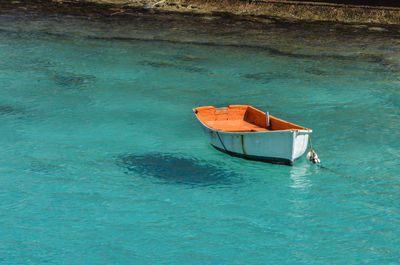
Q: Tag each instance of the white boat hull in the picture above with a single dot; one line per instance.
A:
(282, 147)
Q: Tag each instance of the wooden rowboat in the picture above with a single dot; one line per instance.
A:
(246, 132)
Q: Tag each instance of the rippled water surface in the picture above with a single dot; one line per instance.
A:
(103, 162)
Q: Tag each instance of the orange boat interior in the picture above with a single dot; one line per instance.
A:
(241, 118)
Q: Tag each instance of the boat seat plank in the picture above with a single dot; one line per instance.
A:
(235, 126)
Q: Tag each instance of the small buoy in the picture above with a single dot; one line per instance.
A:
(313, 157)
(308, 156)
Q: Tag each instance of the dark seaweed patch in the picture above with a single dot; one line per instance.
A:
(156, 64)
(187, 58)
(19, 64)
(72, 80)
(186, 68)
(20, 33)
(266, 77)
(8, 110)
(5, 109)
(315, 71)
(268, 49)
(39, 62)
(44, 167)
(173, 168)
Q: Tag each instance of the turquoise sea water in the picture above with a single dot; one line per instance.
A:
(102, 160)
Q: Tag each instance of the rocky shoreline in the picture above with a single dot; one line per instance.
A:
(262, 10)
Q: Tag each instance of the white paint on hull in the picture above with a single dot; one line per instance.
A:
(286, 144)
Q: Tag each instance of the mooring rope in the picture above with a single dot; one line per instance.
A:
(312, 155)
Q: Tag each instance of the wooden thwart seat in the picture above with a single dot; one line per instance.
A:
(235, 126)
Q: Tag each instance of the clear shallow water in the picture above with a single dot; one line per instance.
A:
(102, 160)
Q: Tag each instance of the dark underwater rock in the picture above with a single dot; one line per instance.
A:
(9, 110)
(174, 168)
(72, 80)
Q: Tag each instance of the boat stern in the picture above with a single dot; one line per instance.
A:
(300, 143)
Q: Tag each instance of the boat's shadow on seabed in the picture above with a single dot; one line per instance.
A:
(177, 169)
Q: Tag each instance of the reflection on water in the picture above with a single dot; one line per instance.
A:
(173, 168)
(300, 204)
(298, 175)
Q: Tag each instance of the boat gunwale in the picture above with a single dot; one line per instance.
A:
(235, 133)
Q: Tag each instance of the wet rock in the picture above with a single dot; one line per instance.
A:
(360, 26)
(208, 18)
(378, 29)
